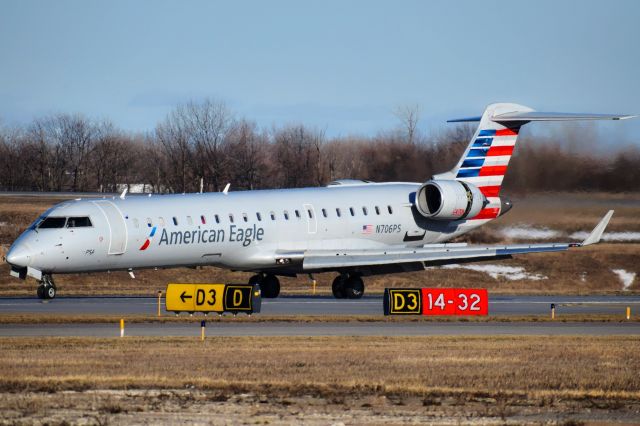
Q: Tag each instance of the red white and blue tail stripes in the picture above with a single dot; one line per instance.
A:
(485, 164)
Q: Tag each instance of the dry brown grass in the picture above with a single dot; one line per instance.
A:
(539, 367)
(583, 271)
(320, 380)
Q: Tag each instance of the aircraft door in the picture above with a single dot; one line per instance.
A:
(312, 220)
(117, 226)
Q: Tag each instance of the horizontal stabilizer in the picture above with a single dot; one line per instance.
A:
(465, 120)
(555, 116)
(597, 232)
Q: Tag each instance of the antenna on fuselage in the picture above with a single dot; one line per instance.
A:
(225, 191)
(124, 193)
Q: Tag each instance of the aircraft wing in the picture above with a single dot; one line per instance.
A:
(435, 254)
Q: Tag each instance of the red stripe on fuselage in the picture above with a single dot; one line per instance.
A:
(493, 171)
(145, 245)
(506, 132)
(488, 213)
(490, 191)
(499, 150)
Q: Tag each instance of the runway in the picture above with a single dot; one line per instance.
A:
(322, 305)
(276, 328)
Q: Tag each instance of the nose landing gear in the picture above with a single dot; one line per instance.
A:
(46, 288)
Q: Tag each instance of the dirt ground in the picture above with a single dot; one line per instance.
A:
(321, 380)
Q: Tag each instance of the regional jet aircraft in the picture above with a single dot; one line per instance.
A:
(352, 227)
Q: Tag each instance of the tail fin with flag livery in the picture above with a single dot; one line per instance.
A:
(485, 161)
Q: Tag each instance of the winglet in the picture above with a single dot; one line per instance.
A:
(597, 232)
(225, 191)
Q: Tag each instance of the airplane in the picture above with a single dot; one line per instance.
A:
(355, 228)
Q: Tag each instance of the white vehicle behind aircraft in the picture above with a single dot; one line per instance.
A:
(352, 227)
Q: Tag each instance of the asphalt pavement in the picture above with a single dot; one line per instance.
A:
(322, 305)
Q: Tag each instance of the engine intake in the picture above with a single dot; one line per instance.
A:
(449, 200)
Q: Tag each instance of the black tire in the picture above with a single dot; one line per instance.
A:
(270, 287)
(40, 292)
(50, 292)
(256, 279)
(338, 287)
(354, 287)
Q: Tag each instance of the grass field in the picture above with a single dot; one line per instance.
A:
(488, 380)
(584, 271)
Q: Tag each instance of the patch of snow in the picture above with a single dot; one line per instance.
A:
(528, 232)
(625, 277)
(609, 236)
(513, 273)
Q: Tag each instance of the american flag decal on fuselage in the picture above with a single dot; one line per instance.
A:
(485, 165)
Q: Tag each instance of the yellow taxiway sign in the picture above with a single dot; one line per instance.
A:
(212, 298)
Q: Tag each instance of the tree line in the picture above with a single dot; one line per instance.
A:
(204, 145)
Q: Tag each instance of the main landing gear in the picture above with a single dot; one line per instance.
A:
(46, 288)
(269, 285)
(348, 287)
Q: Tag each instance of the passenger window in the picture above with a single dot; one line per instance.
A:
(259, 216)
(136, 222)
(377, 210)
(286, 215)
(353, 213)
(364, 211)
(273, 215)
(231, 217)
(390, 209)
(324, 212)
(175, 221)
(203, 219)
(310, 213)
(217, 218)
(189, 221)
(338, 213)
(161, 221)
(53, 222)
(245, 217)
(298, 214)
(78, 222)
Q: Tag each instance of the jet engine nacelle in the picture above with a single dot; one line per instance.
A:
(449, 200)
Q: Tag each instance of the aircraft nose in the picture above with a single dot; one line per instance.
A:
(19, 255)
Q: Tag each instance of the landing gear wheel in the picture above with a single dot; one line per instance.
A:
(46, 288)
(270, 287)
(256, 279)
(50, 292)
(353, 287)
(338, 287)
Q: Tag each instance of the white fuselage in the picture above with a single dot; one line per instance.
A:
(244, 230)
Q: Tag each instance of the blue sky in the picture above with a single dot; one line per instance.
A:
(342, 66)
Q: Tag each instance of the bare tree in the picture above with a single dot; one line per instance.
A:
(409, 115)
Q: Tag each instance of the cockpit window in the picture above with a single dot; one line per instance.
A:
(52, 222)
(78, 222)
